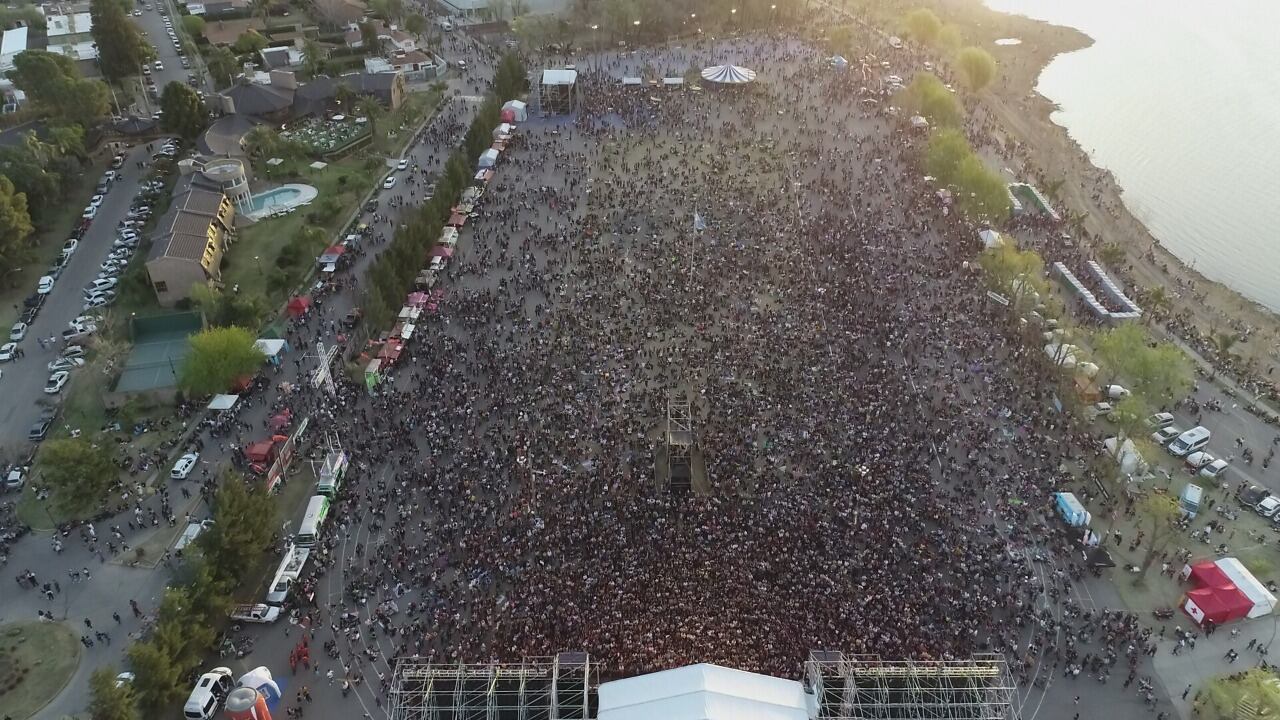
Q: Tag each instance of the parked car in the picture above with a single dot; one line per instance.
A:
(69, 247)
(40, 430)
(259, 613)
(1197, 460)
(17, 332)
(1214, 469)
(403, 164)
(1165, 435)
(1268, 506)
(208, 694)
(389, 182)
(73, 351)
(89, 213)
(101, 285)
(182, 469)
(15, 478)
(8, 351)
(1160, 420)
(57, 381)
(44, 285)
(65, 363)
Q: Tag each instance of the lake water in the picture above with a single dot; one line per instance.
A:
(1181, 102)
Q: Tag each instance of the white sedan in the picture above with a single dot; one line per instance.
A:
(182, 469)
(65, 363)
(8, 351)
(57, 381)
(45, 285)
(389, 183)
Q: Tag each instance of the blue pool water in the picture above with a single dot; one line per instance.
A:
(280, 196)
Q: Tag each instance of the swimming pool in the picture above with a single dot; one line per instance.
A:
(285, 197)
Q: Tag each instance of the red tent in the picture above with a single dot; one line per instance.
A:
(282, 420)
(298, 306)
(457, 220)
(416, 299)
(1207, 574)
(508, 115)
(1219, 604)
(441, 251)
(262, 451)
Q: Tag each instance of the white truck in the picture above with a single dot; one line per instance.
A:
(255, 613)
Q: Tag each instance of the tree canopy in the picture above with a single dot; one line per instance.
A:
(194, 25)
(121, 48)
(250, 41)
(107, 701)
(1157, 372)
(980, 194)
(244, 519)
(15, 223)
(184, 114)
(53, 84)
(977, 67)
(177, 644)
(922, 25)
(222, 66)
(79, 471)
(1012, 271)
(219, 356)
(928, 96)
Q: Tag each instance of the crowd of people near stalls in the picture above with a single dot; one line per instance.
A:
(878, 446)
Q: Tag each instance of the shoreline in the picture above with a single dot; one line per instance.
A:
(1019, 114)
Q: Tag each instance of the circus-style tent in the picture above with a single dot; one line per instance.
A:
(728, 75)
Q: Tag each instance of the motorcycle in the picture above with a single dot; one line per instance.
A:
(1163, 613)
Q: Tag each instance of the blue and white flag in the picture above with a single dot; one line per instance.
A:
(698, 223)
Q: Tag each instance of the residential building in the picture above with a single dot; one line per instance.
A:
(13, 42)
(189, 240)
(415, 65)
(69, 29)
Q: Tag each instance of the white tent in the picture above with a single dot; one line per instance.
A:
(990, 239)
(702, 692)
(270, 347)
(631, 81)
(223, 402)
(918, 122)
(489, 158)
(502, 131)
(1263, 601)
(518, 108)
(1130, 460)
(672, 81)
(728, 75)
(559, 77)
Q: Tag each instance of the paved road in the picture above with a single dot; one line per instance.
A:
(24, 379)
(152, 22)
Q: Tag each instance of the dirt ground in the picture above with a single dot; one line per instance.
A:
(1023, 116)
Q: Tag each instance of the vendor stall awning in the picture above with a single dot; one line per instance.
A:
(270, 347)
(223, 402)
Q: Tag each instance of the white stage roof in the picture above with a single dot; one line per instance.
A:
(223, 402)
(702, 692)
(728, 74)
(559, 77)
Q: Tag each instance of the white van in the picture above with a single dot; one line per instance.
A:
(1190, 499)
(207, 696)
(1193, 440)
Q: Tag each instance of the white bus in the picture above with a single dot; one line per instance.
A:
(312, 521)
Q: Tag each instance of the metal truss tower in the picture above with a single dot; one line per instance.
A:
(543, 688)
(864, 687)
(680, 441)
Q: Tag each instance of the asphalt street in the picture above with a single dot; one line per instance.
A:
(152, 22)
(24, 379)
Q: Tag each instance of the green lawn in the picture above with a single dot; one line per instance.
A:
(393, 130)
(36, 661)
(251, 262)
(48, 239)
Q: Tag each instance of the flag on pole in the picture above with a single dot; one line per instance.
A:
(698, 223)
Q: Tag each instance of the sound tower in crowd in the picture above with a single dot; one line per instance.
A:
(560, 687)
(680, 441)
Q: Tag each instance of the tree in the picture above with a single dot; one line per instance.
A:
(250, 41)
(194, 25)
(948, 148)
(1157, 302)
(15, 223)
(977, 67)
(163, 662)
(981, 194)
(369, 38)
(53, 84)
(950, 38)
(109, 701)
(121, 49)
(1111, 255)
(928, 96)
(922, 25)
(222, 65)
(262, 10)
(1223, 342)
(244, 520)
(219, 356)
(1162, 513)
(1017, 273)
(313, 57)
(370, 108)
(79, 471)
(1157, 372)
(414, 24)
(67, 140)
(840, 40)
(184, 114)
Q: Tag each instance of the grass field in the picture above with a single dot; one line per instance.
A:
(36, 661)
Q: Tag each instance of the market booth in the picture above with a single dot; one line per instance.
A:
(1225, 590)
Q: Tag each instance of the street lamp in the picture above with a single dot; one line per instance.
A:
(258, 260)
(595, 43)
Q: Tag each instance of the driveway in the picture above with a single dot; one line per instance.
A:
(24, 379)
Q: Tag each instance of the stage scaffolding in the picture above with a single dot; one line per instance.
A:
(540, 688)
(865, 687)
(680, 442)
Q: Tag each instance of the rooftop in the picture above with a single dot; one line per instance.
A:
(59, 25)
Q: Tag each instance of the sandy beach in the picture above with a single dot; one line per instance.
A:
(1044, 152)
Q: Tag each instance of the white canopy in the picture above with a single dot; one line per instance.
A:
(519, 109)
(632, 81)
(1129, 459)
(990, 238)
(728, 75)
(1263, 601)
(559, 77)
(270, 347)
(671, 81)
(702, 692)
(488, 158)
(223, 402)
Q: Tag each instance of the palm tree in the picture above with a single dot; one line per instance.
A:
(313, 56)
(1111, 255)
(261, 9)
(1157, 301)
(1223, 342)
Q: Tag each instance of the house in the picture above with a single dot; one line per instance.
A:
(214, 8)
(387, 88)
(415, 65)
(13, 42)
(343, 13)
(69, 29)
(188, 242)
(392, 37)
(226, 32)
(281, 98)
(280, 58)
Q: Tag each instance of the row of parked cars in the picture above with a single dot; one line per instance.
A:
(1190, 445)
